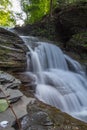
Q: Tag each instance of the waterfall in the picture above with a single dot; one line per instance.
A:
(74, 65)
(61, 80)
(51, 56)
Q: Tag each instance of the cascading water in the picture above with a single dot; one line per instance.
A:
(59, 84)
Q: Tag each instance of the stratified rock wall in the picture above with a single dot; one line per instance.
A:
(12, 51)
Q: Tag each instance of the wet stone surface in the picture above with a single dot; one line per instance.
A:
(33, 114)
(44, 117)
(9, 85)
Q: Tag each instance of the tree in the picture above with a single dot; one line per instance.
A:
(6, 16)
(36, 9)
(51, 4)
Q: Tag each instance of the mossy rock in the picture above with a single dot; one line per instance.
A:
(12, 51)
(55, 119)
(78, 43)
(72, 19)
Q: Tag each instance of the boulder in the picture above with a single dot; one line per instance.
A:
(27, 79)
(8, 81)
(29, 83)
(44, 117)
(12, 51)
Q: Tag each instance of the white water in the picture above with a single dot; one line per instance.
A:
(50, 56)
(57, 85)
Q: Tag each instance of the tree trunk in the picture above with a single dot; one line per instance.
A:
(51, 4)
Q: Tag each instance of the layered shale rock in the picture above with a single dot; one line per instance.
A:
(12, 51)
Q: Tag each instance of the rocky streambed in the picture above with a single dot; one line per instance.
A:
(32, 113)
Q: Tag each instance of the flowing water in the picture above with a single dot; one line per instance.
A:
(61, 81)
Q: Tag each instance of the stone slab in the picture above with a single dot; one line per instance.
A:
(19, 108)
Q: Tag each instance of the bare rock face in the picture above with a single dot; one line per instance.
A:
(12, 51)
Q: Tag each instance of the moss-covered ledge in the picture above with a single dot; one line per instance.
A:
(46, 117)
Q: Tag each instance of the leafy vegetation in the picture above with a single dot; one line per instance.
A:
(81, 38)
(3, 105)
(35, 10)
(6, 16)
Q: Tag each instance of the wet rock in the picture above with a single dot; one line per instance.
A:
(41, 118)
(2, 96)
(27, 78)
(28, 83)
(12, 51)
(7, 116)
(20, 110)
(20, 106)
(24, 121)
(41, 113)
(14, 95)
(9, 81)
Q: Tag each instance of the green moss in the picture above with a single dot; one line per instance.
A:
(60, 120)
(81, 39)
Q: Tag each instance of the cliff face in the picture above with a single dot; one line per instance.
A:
(12, 51)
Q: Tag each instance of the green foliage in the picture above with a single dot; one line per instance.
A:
(81, 38)
(6, 16)
(4, 3)
(3, 105)
(36, 9)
